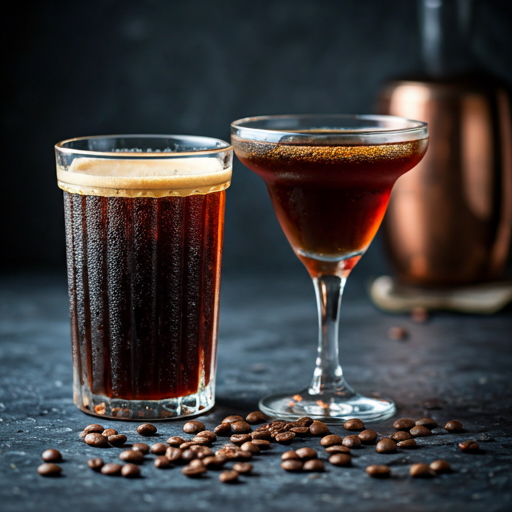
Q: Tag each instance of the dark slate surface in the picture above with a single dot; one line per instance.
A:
(267, 341)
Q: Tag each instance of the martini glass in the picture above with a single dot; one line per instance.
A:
(329, 178)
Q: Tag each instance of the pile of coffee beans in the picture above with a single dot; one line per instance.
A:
(248, 437)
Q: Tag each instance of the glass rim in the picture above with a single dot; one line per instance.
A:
(221, 147)
(412, 128)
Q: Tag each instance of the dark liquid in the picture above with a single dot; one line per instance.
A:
(143, 278)
(330, 200)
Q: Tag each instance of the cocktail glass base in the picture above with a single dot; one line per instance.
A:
(327, 407)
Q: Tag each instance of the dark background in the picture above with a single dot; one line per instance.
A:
(93, 67)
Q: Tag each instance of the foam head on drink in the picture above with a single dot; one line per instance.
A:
(144, 241)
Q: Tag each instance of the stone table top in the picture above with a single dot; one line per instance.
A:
(450, 367)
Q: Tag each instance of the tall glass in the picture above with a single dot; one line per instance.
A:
(329, 178)
(144, 226)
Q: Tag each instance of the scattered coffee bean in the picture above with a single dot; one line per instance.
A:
(401, 435)
(340, 459)
(419, 314)
(130, 471)
(224, 429)
(95, 464)
(378, 471)
(95, 439)
(141, 447)
(232, 418)
(256, 417)
(407, 443)
(186, 445)
(262, 444)
(367, 436)
(201, 440)
(162, 462)
(290, 455)
(404, 424)
(51, 455)
(110, 432)
(250, 446)
(318, 428)
(454, 426)
(214, 461)
(305, 421)
(338, 448)
(306, 453)
(49, 469)
(240, 438)
(117, 439)
(397, 333)
(243, 467)
(146, 429)
(313, 465)
(188, 455)
(111, 469)
(173, 453)
(196, 463)
(353, 424)
(159, 448)
(93, 428)
(135, 456)
(228, 477)
(440, 466)
(351, 441)
(240, 427)
(211, 436)
(193, 427)
(386, 445)
(194, 471)
(331, 440)
(420, 431)
(175, 441)
(469, 446)
(292, 465)
(421, 470)
(284, 437)
(427, 422)
(262, 434)
(300, 431)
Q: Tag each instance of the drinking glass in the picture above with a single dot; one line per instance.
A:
(329, 178)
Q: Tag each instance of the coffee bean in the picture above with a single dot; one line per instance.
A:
(278, 424)
(404, 424)
(401, 435)
(240, 438)
(305, 421)
(201, 440)
(292, 465)
(469, 446)
(240, 427)
(95, 464)
(51, 455)
(353, 424)
(93, 428)
(306, 453)
(256, 417)
(419, 314)
(95, 439)
(397, 333)
(262, 434)
(194, 471)
(130, 471)
(313, 465)
(407, 443)
(203, 451)
(427, 422)
(340, 459)
(175, 441)
(351, 441)
(193, 427)
(117, 439)
(111, 469)
(290, 455)
(224, 429)
(300, 431)
(162, 462)
(243, 455)
(454, 426)
(186, 445)
(262, 444)
(318, 428)
(173, 453)
(188, 455)
(367, 436)
(284, 437)
(440, 466)
(146, 429)
(159, 448)
(228, 477)
(49, 469)
(195, 463)
(331, 440)
(110, 432)
(420, 431)
(135, 456)
(214, 461)
(386, 445)
(421, 470)
(337, 449)
(141, 447)
(211, 436)
(232, 419)
(378, 471)
(243, 467)
(251, 447)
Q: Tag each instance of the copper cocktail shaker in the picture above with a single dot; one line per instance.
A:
(449, 221)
